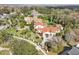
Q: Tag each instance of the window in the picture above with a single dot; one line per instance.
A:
(50, 34)
(46, 35)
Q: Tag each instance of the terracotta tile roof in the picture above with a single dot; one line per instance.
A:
(39, 19)
(39, 23)
(54, 29)
(46, 29)
(49, 29)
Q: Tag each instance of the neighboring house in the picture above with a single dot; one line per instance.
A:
(74, 51)
(71, 51)
(35, 14)
(2, 27)
(38, 25)
(35, 18)
(28, 19)
(3, 16)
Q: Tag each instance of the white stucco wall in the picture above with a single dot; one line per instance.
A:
(48, 38)
(38, 26)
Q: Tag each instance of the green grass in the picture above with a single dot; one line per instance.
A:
(11, 31)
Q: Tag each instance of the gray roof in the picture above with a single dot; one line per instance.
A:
(74, 51)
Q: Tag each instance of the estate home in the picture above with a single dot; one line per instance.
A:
(49, 32)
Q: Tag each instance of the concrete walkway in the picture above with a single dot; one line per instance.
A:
(1, 49)
(34, 44)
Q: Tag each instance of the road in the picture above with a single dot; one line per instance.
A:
(34, 44)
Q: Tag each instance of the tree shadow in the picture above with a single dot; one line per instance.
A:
(65, 51)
